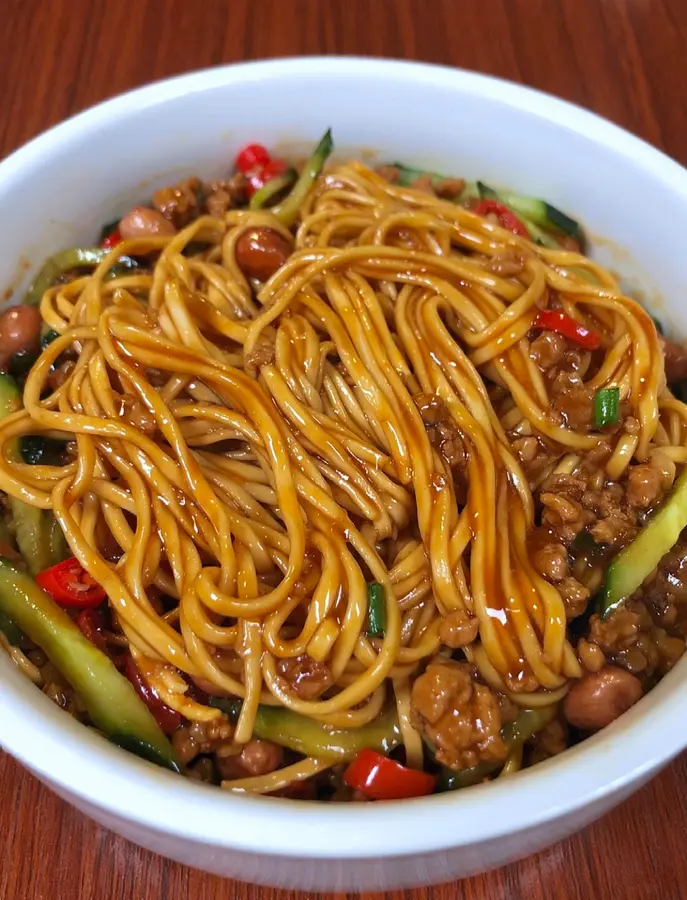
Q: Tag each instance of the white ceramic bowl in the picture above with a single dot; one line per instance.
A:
(60, 188)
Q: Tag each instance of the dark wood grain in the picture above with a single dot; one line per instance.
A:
(626, 59)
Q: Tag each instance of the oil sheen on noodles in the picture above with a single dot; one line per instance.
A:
(313, 385)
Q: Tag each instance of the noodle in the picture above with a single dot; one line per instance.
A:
(265, 496)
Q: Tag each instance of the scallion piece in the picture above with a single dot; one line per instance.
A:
(607, 407)
(376, 610)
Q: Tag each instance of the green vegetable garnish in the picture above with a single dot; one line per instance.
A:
(607, 407)
(287, 211)
(376, 610)
(272, 189)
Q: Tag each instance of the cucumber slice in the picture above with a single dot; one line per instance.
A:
(112, 704)
(633, 564)
(32, 526)
(287, 211)
(542, 213)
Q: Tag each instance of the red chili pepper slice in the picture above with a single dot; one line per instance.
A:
(69, 584)
(560, 322)
(113, 238)
(92, 625)
(507, 218)
(167, 718)
(381, 778)
(252, 156)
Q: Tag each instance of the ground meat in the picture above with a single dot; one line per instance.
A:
(221, 196)
(306, 677)
(630, 639)
(256, 758)
(180, 203)
(615, 530)
(138, 415)
(432, 408)
(459, 716)
(590, 655)
(571, 486)
(644, 485)
(618, 632)
(675, 357)
(548, 349)
(458, 629)
(575, 596)
(527, 448)
(563, 514)
(569, 506)
(263, 354)
(551, 561)
(190, 741)
(573, 402)
(446, 438)
(616, 522)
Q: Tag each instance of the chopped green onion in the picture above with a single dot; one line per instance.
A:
(607, 407)
(376, 611)
(272, 189)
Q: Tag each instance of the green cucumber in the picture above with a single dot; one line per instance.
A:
(287, 211)
(311, 738)
(272, 189)
(32, 534)
(542, 213)
(638, 560)
(112, 704)
(10, 396)
(537, 215)
(32, 526)
(58, 264)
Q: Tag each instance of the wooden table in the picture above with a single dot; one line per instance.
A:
(626, 59)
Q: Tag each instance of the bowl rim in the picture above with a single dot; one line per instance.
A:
(80, 762)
